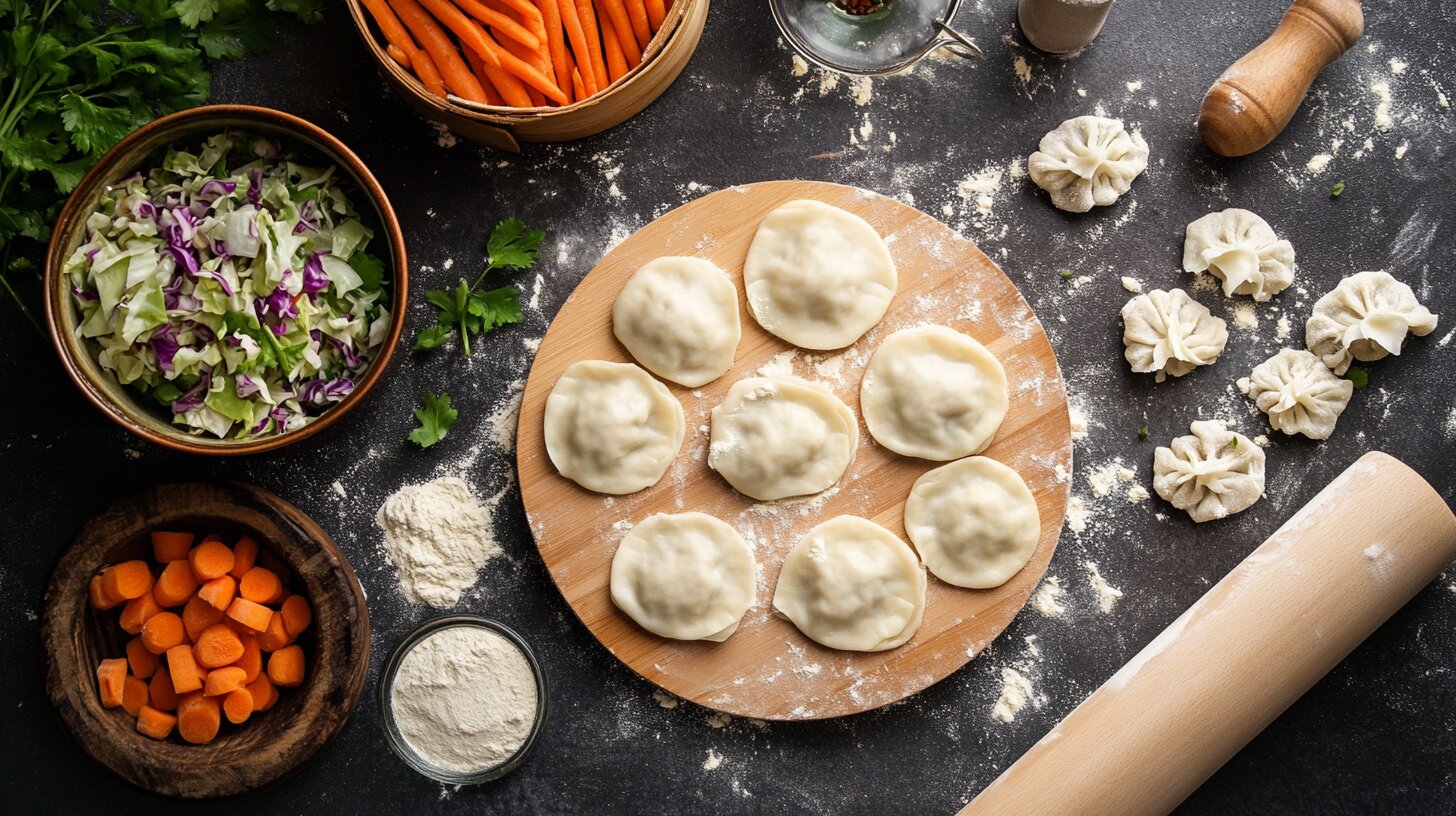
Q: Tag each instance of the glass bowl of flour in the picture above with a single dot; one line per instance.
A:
(463, 699)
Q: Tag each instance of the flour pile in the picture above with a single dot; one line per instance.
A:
(438, 535)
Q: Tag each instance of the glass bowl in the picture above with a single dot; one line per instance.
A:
(888, 40)
(397, 740)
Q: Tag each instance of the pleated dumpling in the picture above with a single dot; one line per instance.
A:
(1212, 473)
(1170, 333)
(1087, 161)
(1239, 248)
(1367, 316)
(1299, 393)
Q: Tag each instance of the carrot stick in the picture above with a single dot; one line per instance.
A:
(245, 552)
(297, 615)
(556, 42)
(143, 663)
(252, 615)
(618, 14)
(488, 77)
(219, 591)
(390, 26)
(161, 693)
(576, 36)
(656, 14)
(99, 597)
(588, 17)
(198, 615)
(137, 611)
(162, 631)
(429, 73)
(641, 28)
(441, 50)
(577, 85)
(612, 47)
(275, 637)
(252, 660)
(398, 55)
(111, 681)
(238, 706)
(134, 694)
(528, 73)
(526, 56)
(498, 22)
(175, 585)
(523, 8)
(224, 681)
(260, 585)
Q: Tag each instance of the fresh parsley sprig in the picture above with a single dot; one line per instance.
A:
(436, 416)
(467, 309)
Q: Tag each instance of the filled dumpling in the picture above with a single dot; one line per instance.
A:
(1239, 248)
(1299, 393)
(611, 428)
(974, 522)
(1211, 474)
(1170, 333)
(678, 316)
(1365, 317)
(687, 576)
(1087, 161)
(776, 437)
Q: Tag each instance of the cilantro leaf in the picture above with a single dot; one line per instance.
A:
(512, 246)
(1337, 190)
(497, 307)
(309, 11)
(1143, 433)
(1357, 376)
(470, 310)
(369, 269)
(192, 13)
(433, 337)
(94, 128)
(436, 417)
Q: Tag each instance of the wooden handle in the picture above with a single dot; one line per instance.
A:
(1240, 655)
(1257, 96)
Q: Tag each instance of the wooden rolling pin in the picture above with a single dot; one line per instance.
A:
(1242, 654)
(1257, 96)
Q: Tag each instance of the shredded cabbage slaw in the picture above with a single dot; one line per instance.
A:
(231, 285)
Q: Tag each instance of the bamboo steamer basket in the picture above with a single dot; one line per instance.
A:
(506, 128)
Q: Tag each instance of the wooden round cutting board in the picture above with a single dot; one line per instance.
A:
(768, 669)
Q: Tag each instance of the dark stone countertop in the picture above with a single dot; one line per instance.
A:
(1375, 736)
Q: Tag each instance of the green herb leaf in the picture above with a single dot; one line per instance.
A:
(369, 269)
(1337, 190)
(436, 417)
(1066, 274)
(1143, 433)
(467, 309)
(512, 246)
(497, 307)
(433, 337)
(1157, 211)
(1234, 442)
(1358, 377)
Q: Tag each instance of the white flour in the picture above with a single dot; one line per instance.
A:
(1107, 594)
(1016, 693)
(438, 535)
(464, 699)
(1048, 598)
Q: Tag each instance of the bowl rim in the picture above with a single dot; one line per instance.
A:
(401, 746)
(178, 125)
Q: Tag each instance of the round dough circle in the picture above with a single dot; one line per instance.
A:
(851, 584)
(678, 317)
(817, 276)
(687, 576)
(933, 393)
(974, 522)
(611, 428)
(776, 437)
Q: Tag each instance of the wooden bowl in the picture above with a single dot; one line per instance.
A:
(505, 128)
(123, 405)
(271, 744)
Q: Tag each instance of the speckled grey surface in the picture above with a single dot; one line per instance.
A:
(1375, 736)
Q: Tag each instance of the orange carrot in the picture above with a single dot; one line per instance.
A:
(390, 26)
(263, 692)
(134, 694)
(276, 637)
(245, 553)
(489, 76)
(210, 559)
(143, 663)
(398, 55)
(224, 681)
(530, 17)
(162, 631)
(175, 585)
(501, 24)
(182, 670)
(155, 723)
(528, 57)
(137, 611)
(529, 74)
(99, 598)
(522, 8)
(588, 17)
(111, 680)
(428, 73)
(656, 13)
(641, 26)
(198, 718)
(127, 580)
(576, 84)
(251, 661)
(260, 585)
(297, 615)
(218, 646)
(442, 51)
(266, 558)
(198, 615)
(285, 666)
(254, 616)
(616, 11)
(556, 42)
(612, 47)
(219, 592)
(162, 695)
(168, 547)
(576, 37)
(238, 706)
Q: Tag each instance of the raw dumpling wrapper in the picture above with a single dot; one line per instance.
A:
(1365, 317)
(1299, 393)
(817, 276)
(687, 576)
(1212, 474)
(1239, 248)
(678, 317)
(934, 393)
(974, 522)
(851, 584)
(611, 428)
(1087, 161)
(1170, 333)
(776, 437)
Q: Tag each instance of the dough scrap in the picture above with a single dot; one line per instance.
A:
(1212, 474)
(817, 276)
(974, 522)
(687, 576)
(934, 393)
(611, 428)
(678, 317)
(1087, 161)
(1299, 393)
(1239, 248)
(1365, 317)
(1170, 333)
(851, 584)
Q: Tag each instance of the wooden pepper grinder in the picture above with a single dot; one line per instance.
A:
(1257, 96)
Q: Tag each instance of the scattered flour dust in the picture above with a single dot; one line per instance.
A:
(1245, 317)
(1451, 424)
(714, 760)
(1076, 514)
(1079, 422)
(1318, 163)
(1107, 594)
(1048, 599)
(1016, 693)
(1383, 100)
(438, 535)
(502, 422)
(1282, 328)
(1131, 284)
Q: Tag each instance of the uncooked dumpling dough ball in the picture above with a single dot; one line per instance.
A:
(851, 584)
(1299, 393)
(679, 319)
(817, 276)
(934, 393)
(1087, 161)
(1240, 249)
(974, 522)
(1170, 333)
(611, 428)
(1365, 317)
(775, 437)
(687, 576)
(1212, 474)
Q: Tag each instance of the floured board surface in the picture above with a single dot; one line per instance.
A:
(768, 669)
